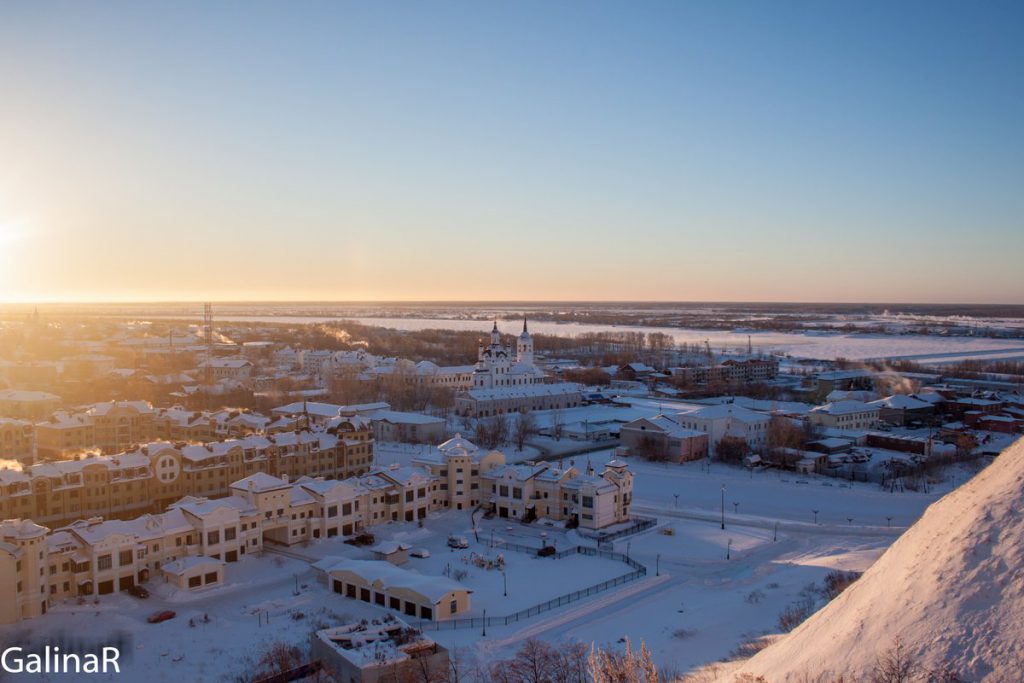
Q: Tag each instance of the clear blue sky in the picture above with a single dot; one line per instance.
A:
(854, 151)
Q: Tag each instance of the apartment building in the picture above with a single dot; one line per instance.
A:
(111, 427)
(237, 369)
(457, 465)
(396, 426)
(27, 405)
(17, 439)
(846, 415)
(505, 400)
(727, 420)
(118, 425)
(23, 581)
(64, 434)
(96, 556)
(532, 491)
(190, 541)
(157, 474)
(730, 371)
(179, 424)
(663, 437)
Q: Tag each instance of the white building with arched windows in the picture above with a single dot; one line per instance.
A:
(506, 380)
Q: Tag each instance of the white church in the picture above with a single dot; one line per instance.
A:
(508, 381)
(497, 365)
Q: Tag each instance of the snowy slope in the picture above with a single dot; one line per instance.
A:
(951, 588)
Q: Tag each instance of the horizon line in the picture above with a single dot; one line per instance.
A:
(469, 302)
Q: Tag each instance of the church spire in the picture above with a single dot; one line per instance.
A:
(524, 323)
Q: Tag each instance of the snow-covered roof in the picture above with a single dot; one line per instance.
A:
(845, 408)
(399, 417)
(146, 527)
(20, 529)
(260, 482)
(524, 391)
(389, 547)
(727, 410)
(901, 402)
(387, 576)
(186, 564)
(101, 409)
(22, 395)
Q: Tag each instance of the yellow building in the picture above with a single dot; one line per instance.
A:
(22, 570)
(457, 464)
(158, 474)
(16, 439)
(433, 598)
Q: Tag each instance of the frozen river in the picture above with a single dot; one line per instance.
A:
(810, 345)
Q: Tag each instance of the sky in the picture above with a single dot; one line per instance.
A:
(343, 151)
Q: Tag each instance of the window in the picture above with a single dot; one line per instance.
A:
(104, 562)
(229, 534)
(212, 537)
(332, 511)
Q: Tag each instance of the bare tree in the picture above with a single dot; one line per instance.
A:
(628, 666)
(895, 665)
(525, 427)
(557, 422)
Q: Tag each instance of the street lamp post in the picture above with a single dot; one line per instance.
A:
(850, 520)
(775, 534)
(888, 521)
(677, 498)
(728, 549)
(815, 516)
(736, 508)
(484, 632)
(723, 506)
(657, 564)
(504, 581)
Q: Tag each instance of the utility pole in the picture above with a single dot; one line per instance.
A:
(723, 506)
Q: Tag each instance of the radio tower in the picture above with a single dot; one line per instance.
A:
(208, 336)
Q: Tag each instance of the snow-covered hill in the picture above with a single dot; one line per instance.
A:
(951, 589)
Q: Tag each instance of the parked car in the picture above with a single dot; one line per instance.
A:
(157, 617)
(362, 539)
(458, 542)
(138, 592)
(419, 552)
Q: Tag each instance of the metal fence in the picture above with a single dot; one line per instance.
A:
(639, 571)
(640, 524)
